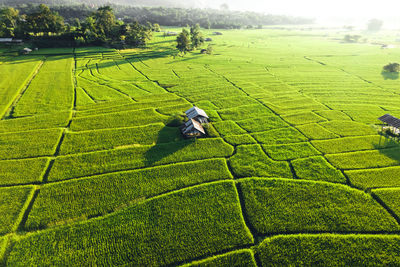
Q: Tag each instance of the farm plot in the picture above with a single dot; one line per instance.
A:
(51, 90)
(29, 144)
(14, 75)
(231, 259)
(84, 198)
(80, 165)
(375, 178)
(327, 249)
(250, 161)
(317, 168)
(24, 171)
(206, 218)
(280, 136)
(291, 151)
(283, 206)
(12, 202)
(118, 137)
(390, 197)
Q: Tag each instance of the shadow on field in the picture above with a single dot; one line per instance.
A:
(390, 75)
(162, 150)
(389, 146)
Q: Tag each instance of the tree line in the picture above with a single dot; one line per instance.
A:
(46, 27)
(206, 18)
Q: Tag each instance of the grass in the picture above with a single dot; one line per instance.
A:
(303, 118)
(236, 258)
(94, 196)
(27, 171)
(250, 160)
(243, 139)
(12, 201)
(349, 144)
(330, 250)
(318, 169)
(226, 128)
(194, 214)
(374, 178)
(291, 151)
(29, 144)
(391, 197)
(93, 163)
(348, 128)
(118, 120)
(262, 124)
(315, 131)
(366, 159)
(244, 112)
(277, 206)
(77, 142)
(333, 115)
(280, 136)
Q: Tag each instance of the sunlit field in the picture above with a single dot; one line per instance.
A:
(294, 169)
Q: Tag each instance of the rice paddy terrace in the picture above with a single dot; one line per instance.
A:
(293, 171)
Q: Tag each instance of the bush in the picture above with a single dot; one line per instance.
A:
(392, 67)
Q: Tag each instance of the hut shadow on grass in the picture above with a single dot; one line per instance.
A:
(390, 75)
(163, 149)
(389, 146)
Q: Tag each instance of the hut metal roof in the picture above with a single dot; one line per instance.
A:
(195, 112)
(390, 120)
(191, 125)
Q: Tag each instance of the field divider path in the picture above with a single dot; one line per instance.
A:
(9, 111)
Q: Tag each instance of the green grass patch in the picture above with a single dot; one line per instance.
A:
(391, 197)
(373, 178)
(349, 144)
(206, 218)
(244, 139)
(291, 151)
(366, 159)
(262, 124)
(318, 169)
(237, 258)
(112, 138)
(250, 160)
(303, 118)
(118, 120)
(81, 165)
(333, 115)
(84, 198)
(315, 131)
(12, 200)
(228, 128)
(330, 250)
(235, 101)
(24, 171)
(280, 136)
(289, 206)
(47, 121)
(348, 128)
(29, 144)
(244, 112)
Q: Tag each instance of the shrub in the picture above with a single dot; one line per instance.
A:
(392, 67)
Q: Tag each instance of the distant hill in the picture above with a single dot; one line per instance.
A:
(164, 3)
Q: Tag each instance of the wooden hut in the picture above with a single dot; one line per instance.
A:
(197, 114)
(25, 51)
(208, 40)
(392, 123)
(193, 128)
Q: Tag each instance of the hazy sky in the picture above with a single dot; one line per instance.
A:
(317, 8)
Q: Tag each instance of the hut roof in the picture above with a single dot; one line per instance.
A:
(390, 120)
(195, 112)
(191, 125)
(5, 40)
(26, 49)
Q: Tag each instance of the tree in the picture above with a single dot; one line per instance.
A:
(210, 49)
(196, 37)
(8, 21)
(375, 25)
(44, 21)
(183, 41)
(348, 38)
(392, 67)
(104, 20)
(137, 35)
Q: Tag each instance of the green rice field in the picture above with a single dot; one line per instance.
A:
(295, 170)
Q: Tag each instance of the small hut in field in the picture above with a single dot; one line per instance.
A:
(193, 128)
(393, 123)
(197, 114)
(25, 51)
